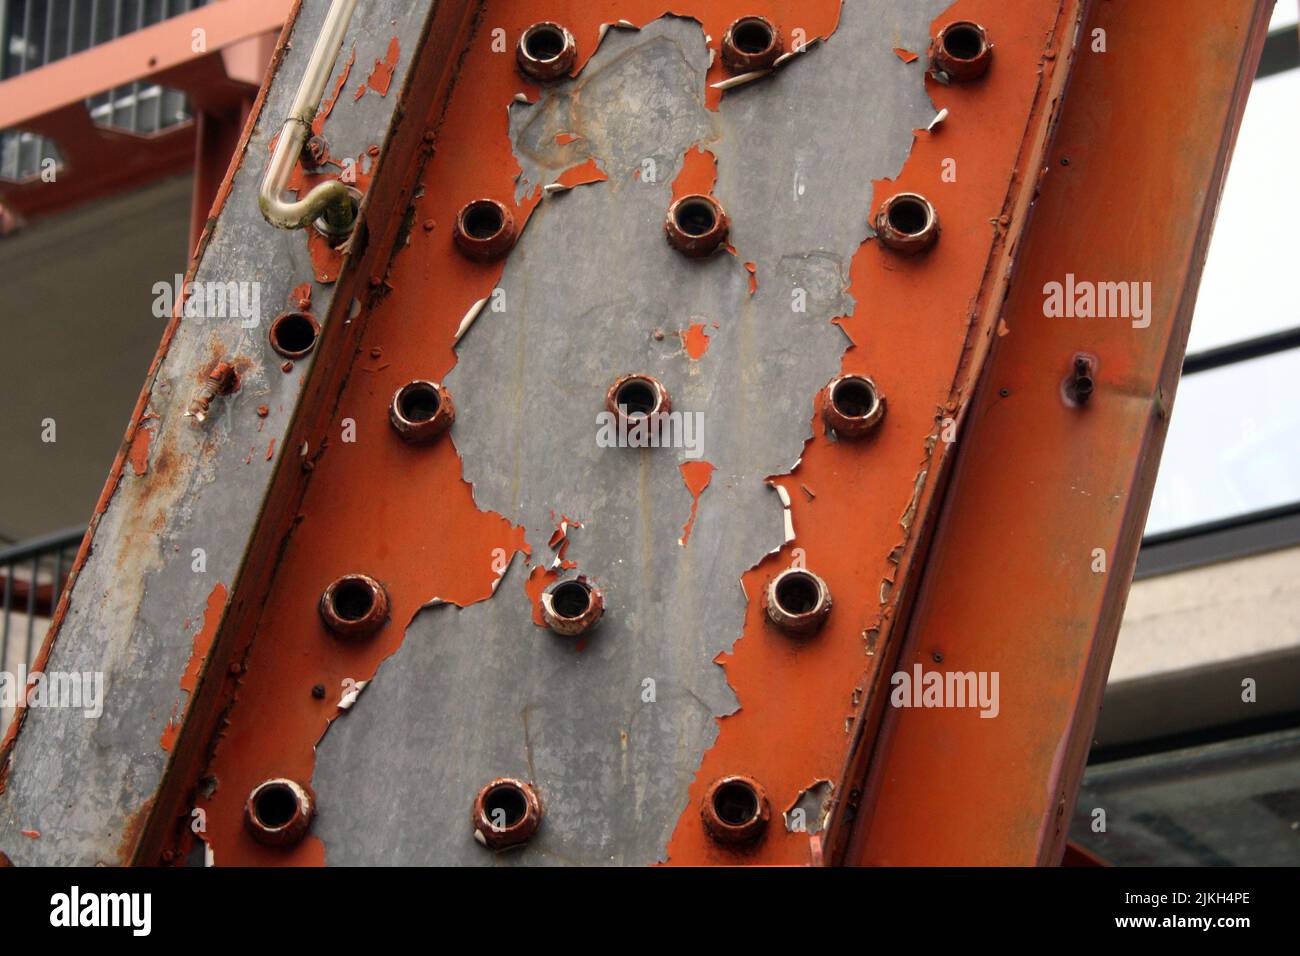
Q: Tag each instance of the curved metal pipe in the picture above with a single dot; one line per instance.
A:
(332, 200)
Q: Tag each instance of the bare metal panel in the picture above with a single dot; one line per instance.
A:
(481, 692)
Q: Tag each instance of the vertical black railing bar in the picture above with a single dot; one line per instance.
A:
(32, 586)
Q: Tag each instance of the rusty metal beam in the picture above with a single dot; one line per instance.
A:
(1045, 489)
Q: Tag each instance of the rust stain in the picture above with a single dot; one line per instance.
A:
(31, 834)
(138, 455)
(270, 450)
(696, 475)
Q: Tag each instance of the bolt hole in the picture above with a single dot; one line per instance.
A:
(293, 334)
(696, 218)
(571, 599)
(963, 42)
(854, 398)
(752, 36)
(275, 806)
(638, 397)
(735, 803)
(505, 806)
(483, 220)
(909, 216)
(353, 600)
(419, 403)
(544, 43)
(797, 594)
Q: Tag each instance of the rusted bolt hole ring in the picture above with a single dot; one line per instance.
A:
(484, 230)
(853, 405)
(855, 397)
(572, 607)
(279, 811)
(336, 227)
(294, 334)
(546, 51)
(507, 812)
(965, 41)
(909, 216)
(696, 217)
(421, 411)
(571, 599)
(962, 51)
(696, 225)
(907, 223)
(797, 601)
(735, 810)
(637, 396)
(751, 43)
(753, 35)
(354, 605)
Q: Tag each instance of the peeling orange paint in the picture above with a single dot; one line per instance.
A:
(698, 174)
(327, 105)
(381, 77)
(696, 475)
(138, 456)
(838, 530)
(696, 340)
(201, 645)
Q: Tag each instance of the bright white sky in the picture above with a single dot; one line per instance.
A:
(1234, 441)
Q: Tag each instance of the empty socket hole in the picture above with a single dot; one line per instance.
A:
(752, 36)
(963, 42)
(909, 216)
(482, 220)
(637, 396)
(352, 600)
(418, 403)
(797, 594)
(293, 334)
(571, 599)
(544, 43)
(735, 803)
(854, 398)
(275, 806)
(505, 806)
(696, 218)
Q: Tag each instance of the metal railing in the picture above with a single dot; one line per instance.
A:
(34, 33)
(32, 578)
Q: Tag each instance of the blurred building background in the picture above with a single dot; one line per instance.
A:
(118, 120)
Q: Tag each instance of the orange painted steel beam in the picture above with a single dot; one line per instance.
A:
(163, 53)
(1135, 177)
(220, 79)
(799, 699)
